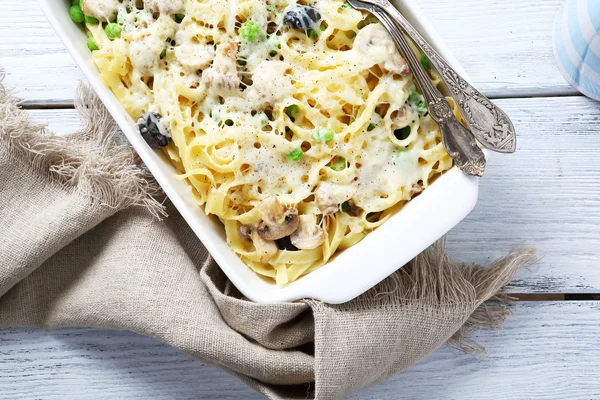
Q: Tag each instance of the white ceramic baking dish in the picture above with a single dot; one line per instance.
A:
(423, 221)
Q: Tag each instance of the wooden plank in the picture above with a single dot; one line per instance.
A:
(506, 46)
(59, 121)
(505, 56)
(546, 195)
(544, 351)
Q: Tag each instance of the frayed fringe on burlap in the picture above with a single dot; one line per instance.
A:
(89, 161)
(432, 281)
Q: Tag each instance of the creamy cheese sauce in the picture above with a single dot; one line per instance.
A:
(323, 116)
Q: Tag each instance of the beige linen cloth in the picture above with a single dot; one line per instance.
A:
(82, 245)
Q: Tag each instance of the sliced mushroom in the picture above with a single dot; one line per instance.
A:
(246, 232)
(375, 44)
(223, 74)
(266, 249)
(403, 118)
(278, 221)
(144, 54)
(309, 234)
(329, 196)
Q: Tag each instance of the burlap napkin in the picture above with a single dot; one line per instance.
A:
(82, 246)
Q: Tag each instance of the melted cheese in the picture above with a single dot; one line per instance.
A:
(226, 102)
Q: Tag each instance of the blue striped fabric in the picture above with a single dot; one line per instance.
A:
(577, 45)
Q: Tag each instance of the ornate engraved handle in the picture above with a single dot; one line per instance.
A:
(458, 140)
(490, 125)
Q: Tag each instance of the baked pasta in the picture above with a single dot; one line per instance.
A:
(296, 123)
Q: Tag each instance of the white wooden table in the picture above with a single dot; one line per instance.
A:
(547, 195)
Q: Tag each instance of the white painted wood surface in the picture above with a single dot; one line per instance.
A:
(546, 195)
(37, 62)
(544, 351)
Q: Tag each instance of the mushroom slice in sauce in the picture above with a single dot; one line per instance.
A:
(329, 196)
(246, 232)
(144, 54)
(309, 234)
(223, 73)
(374, 42)
(278, 221)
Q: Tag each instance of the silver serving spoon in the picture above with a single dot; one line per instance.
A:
(458, 140)
(490, 125)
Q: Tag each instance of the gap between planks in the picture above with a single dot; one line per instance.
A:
(556, 296)
(68, 104)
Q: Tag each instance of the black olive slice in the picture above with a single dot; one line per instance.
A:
(302, 17)
(153, 130)
(285, 243)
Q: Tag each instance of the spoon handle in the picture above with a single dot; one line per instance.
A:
(458, 140)
(490, 125)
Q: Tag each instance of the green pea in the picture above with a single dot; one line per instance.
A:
(292, 112)
(375, 120)
(314, 33)
(421, 107)
(113, 31)
(424, 61)
(323, 135)
(91, 20)
(402, 134)
(163, 53)
(76, 3)
(249, 31)
(345, 206)
(274, 44)
(76, 14)
(295, 155)
(91, 43)
(338, 164)
(414, 97)
(179, 17)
